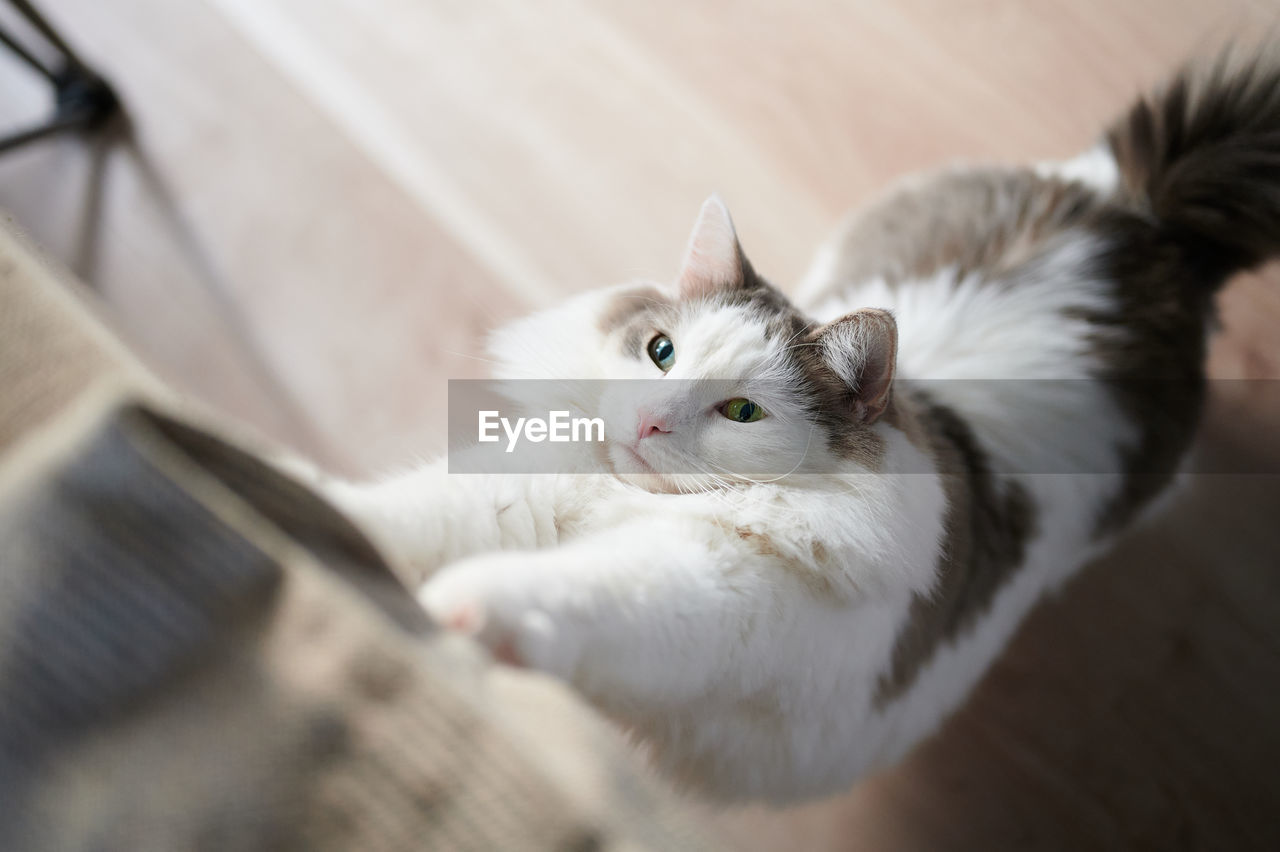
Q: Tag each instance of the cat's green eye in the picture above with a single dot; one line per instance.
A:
(663, 352)
(742, 410)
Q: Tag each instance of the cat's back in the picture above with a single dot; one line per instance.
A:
(989, 272)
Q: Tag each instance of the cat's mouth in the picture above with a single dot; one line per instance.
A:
(630, 466)
(634, 456)
(632, 461)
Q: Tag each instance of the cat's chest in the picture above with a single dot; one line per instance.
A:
(597, 503)
(725, 521)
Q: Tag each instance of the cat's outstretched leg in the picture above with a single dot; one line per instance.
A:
(743, 677)
(427, 518)
(647, 614)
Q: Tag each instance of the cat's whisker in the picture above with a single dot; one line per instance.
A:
(781, 476)
(718, 485)
(469, 356)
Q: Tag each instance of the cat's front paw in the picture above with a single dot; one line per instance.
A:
(515, 610)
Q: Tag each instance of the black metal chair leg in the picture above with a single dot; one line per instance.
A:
(83, 100)
(50, 34)
(25, 55)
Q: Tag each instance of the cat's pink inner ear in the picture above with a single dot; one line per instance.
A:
(714, 258)
(862, 349)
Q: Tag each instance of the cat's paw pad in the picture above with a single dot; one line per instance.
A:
(499, 604)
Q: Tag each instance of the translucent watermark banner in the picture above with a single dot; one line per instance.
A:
(757, 428)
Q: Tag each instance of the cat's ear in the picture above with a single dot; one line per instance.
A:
(862, 350)
(714, 260)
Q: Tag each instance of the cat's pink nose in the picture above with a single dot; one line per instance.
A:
(651, 424)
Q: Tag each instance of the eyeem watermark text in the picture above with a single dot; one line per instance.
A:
(558, 427)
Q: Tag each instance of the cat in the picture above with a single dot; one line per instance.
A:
(984, 379)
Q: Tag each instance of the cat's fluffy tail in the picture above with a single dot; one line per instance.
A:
(1202, 157)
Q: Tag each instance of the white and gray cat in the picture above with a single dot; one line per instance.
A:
(777, 638)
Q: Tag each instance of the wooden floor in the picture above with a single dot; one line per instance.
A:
(324, 204)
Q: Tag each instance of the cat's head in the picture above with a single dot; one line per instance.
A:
(718, 377)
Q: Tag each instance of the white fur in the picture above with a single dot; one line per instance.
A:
(706, 621)
(1017, 371)
(1095, 168)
